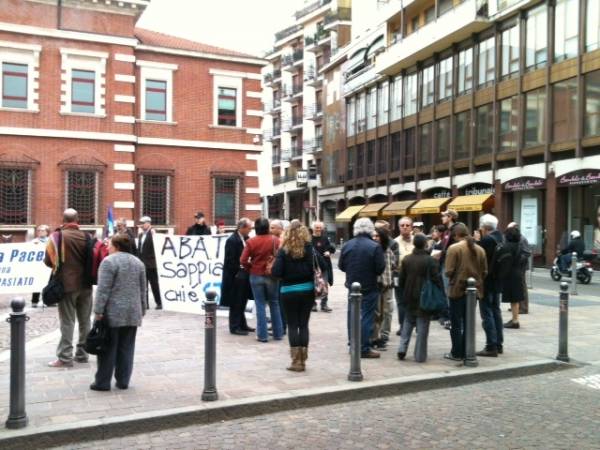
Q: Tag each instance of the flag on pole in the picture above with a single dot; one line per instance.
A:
(110, 224)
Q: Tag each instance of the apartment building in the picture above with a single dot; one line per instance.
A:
(478, 105)
(293, 106)
(96, 114)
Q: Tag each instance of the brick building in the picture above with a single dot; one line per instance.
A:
(96, 113)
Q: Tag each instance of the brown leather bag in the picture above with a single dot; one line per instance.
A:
(270, 261)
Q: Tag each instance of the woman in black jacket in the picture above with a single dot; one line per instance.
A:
(513, 283)
(294, 266)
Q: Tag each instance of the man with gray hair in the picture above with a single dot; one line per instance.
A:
(489, 305)
(363, 261)
(69, 253)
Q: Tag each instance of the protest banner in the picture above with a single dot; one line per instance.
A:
(22, 268)
(188, 267)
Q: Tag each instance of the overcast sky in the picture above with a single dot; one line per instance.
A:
(244, 25)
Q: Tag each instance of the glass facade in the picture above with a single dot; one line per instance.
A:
(372, 108)
(410, 106)
(566, 29)
(592, 25)
(536, 45)
(465, 71)
(535, 118)
(14, 85)
(83, 91)
(592, 104)
(443, 140)
(462, 135)
(426, 141)
(510, 51)
(445, 79)
(383, 103)
(396, 112)
(509, 123)
(427, 90)
(564, 103)
(485, 129)
(487, 61)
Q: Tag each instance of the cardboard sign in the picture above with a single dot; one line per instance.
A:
(188, 267)
(22, 268)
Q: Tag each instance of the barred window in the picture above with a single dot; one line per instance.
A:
(155, 193)
(14, 196)
(82, 195)
(226, 199)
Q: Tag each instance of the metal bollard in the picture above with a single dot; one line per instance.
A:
(355, 301)
(17, 417)
(341, 243)
(574, 273)
(470, 357)
(563, 323)
(209, 394)
(530, 278)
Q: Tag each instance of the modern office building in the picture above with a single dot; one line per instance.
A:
(293, 107)
(96, 113)
(479, 106)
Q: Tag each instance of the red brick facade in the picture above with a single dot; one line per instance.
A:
(187, 147)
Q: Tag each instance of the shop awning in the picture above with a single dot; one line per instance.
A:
(348, 214)
(371, 210)
(397, 208)
(429, 206)
(472, 202)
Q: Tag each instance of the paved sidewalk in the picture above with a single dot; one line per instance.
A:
(168, 370)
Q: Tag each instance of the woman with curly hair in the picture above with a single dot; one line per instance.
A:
(294, 266)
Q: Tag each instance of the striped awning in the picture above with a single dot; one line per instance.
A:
(399, 208)
(429, 206)
(371, 210)
(348, 214)
(472, 202)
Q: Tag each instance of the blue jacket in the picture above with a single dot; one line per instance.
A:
(362, 259)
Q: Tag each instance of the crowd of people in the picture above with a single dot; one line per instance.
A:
(285, 267)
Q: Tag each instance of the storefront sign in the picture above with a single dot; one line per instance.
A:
(479, 189)
(580, 177)
(524, 184)
(301, 177)
(22, 268)
(437, 193)
(529, 219)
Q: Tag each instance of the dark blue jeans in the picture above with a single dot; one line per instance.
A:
(458, 314)
(367, 317)
(491, 316)
(265, 293)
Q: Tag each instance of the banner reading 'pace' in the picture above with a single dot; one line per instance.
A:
(188, 267)
(22, 268)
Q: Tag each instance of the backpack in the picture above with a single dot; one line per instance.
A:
(502, 261)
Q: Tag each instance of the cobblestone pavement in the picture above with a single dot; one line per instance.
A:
(551, 411)
(43, 320)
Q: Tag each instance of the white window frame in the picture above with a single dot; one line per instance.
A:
(74, 59)
(236, 83)
(27, 54)
(152, 70)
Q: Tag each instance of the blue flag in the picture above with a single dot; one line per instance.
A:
(110, 223)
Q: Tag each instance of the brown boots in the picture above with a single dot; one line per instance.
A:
(299, 356)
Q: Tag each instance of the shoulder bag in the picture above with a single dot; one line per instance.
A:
(432, 297)
(270, 261)
(54, 291)
(98, 339)
(321, 286)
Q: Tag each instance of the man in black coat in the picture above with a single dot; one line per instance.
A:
(235, 285)
(146, 254)
(199, 228)
(325, 248)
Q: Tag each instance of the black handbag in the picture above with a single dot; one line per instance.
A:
(98, 339)
(54, 291)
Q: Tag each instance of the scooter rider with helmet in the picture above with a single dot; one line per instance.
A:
(576, 245)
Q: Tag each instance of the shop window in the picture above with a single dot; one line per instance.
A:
(443, 140)
(564, 104)
(411, 94)
(425, 150)
(396, 151)
(535, 117)
(15, 196)
(445, 79)
(427, 89)
(82, 195)
(372, 108)
(462, 133)
(156, 100)
(509, 123)
(487, 61)
(510, 51)
(592, 104)
(83, 91)
(226, 202)
(383, 103)
(409, 148)
(227, 107)
(566, 29)
(14, 85)
(465, 71)
(536, 45)
(155, 197)
(397, 98)
(485, 129)
(592, 25)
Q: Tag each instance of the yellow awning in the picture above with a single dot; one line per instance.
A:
(371, 210)
(471, 202)
(397, 208)
(348, 214)
(429, 206)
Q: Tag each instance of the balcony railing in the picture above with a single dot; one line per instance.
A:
(313, 145)
(298, 55)
(287, 32)
(276, 103)
(279, 179)
(340, 14)
(296, 120)
(310, 8)
(287, 60)
(313, 111)
(276, 132)
(276, 159)
(268, 78)
(296, 151)
(276, 74)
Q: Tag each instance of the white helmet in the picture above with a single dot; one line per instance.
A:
(575, 234)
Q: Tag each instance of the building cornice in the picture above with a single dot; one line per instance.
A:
(199, 144)
(203, 55)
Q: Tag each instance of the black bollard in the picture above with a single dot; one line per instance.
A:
(574, 273)
(355, 302)
(563, 323)
(470, 357)
(209, 394)
(17, 417)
